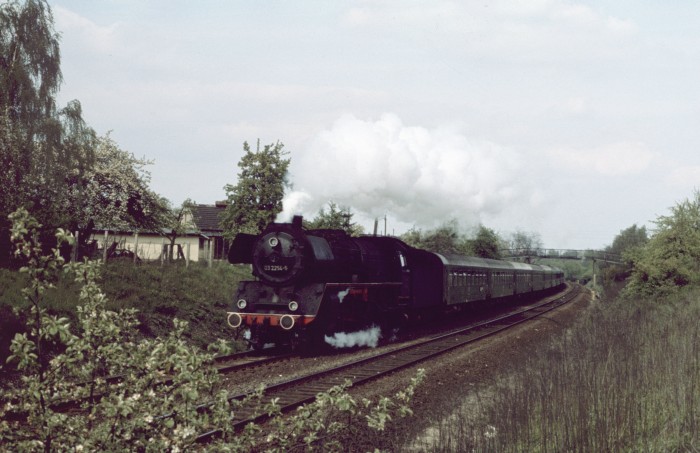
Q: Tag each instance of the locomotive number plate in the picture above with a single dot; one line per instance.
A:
(275, 268)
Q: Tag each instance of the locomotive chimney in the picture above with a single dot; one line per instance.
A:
(297, 221)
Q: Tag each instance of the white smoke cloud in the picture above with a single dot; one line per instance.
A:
(369, 337)
(418, 176)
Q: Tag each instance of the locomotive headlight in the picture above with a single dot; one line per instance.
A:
(293, 306)
(273, 242)
(241, 304)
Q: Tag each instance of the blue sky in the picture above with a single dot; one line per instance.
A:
(571, 119)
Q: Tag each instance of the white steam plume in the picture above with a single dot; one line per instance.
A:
(418, 176)
(369, 337)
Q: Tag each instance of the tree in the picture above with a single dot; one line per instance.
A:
(30, 58)
(525, 241)
(671, 257)
(256, 199)
(113, 194)
(629, 239)
(445, 239)
(336, 218)
(40, 146)
(178, 221)
(486, 244)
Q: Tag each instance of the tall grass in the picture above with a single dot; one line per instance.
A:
(197, 294)
(627, 378)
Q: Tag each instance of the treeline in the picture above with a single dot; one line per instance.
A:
(481, 241)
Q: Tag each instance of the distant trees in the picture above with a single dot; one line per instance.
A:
(524, 241)
(628, 239)
(53, 164)
(339, 218)
(447, 239)
(256, 199)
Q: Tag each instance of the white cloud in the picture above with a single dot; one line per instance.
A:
(533, 30)
(685, 177)
(419, 175)
(86, 33)
(616, 159)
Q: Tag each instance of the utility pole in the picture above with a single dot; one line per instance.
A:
(594, 275)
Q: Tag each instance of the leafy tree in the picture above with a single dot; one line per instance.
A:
(30, 58)
(671, 257)
(524, 241)
(115, 191)
(445, 239)
(40, 145)
(629, 239)
(486, 244)
(178, 222)
(113, 194)
(256, 199)
(336, 218)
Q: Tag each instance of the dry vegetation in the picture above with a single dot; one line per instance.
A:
(626, 378)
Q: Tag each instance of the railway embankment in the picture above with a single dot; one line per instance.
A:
(198, 295)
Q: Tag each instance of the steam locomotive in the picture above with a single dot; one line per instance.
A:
(314, 283)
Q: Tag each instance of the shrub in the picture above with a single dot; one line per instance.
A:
(670, 259)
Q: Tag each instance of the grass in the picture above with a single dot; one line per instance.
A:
(627, 378)
(198, 294)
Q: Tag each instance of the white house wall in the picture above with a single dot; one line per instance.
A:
(151, 246)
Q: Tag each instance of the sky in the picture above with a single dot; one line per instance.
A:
(573, 120)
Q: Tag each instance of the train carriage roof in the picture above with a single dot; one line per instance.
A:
(473, 261)
(485, 263)
(522, 266)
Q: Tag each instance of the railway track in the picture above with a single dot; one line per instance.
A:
(298, 391)
(248, 359)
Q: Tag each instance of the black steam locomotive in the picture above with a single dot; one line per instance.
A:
(313, 283)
